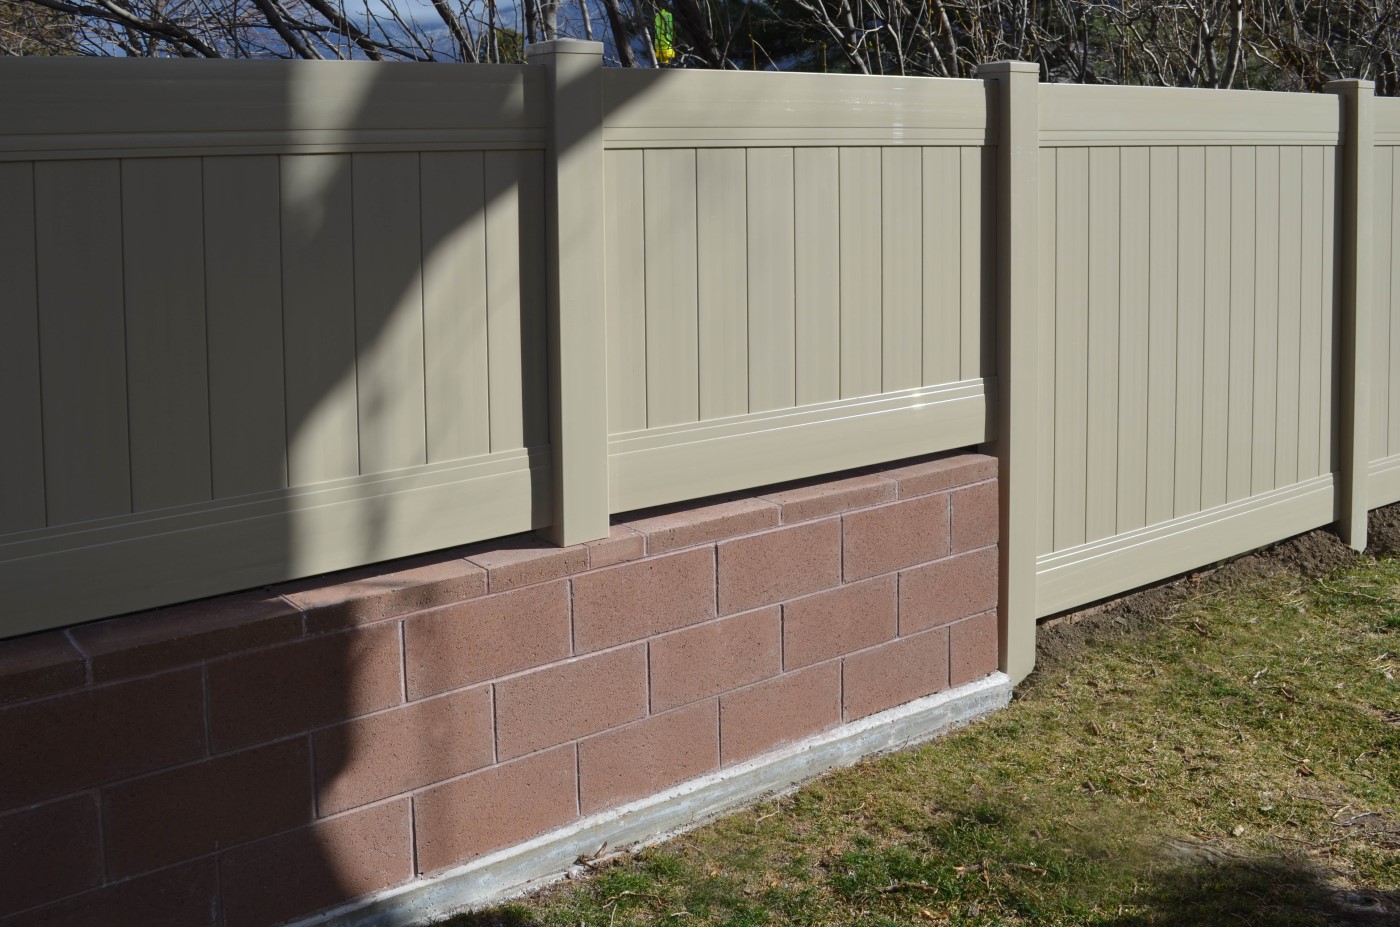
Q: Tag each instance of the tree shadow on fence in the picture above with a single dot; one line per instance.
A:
(310, 871)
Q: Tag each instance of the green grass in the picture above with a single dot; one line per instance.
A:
(1237, 763)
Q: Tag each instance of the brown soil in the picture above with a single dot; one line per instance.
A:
(1383, 531)
(1316, 553)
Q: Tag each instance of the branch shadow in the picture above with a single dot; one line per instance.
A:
(1212, 890)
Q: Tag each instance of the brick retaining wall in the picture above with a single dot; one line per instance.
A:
(249, 759)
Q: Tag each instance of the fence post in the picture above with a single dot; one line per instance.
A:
(578, 412)
(1017, 110)
(1355, 268)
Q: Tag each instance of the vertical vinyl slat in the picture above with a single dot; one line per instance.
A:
(22, 462)
(901, 182)
(816, 178)
(1310, 291)
(534, 324)
(1389, 308)
(1133, 331)
(389, 311)
(625, 246)
(507, 341)
(1240, 449)
(1384, 299)
(985, 259)
(971, 277)
(942, 261)
(456, 366)
(722, 256)
(1215, 408)
(82, 333)
(1045, 437)
(167, 371)
(673, 391)
(1101, 469)
(1190, 300)
(1266, 186)
(772, 344)
(318, 319)
(1329, 440)
(1162, 337)
(1289, 315)
(860, 272)
(243, 301)
(1071, 342)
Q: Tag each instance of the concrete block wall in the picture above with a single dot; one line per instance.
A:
(248, 760)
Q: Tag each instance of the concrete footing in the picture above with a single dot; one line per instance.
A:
(552, 856)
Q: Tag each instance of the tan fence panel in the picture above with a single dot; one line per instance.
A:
(269, 319)
(1384, 484)
(788, 256)
(1190, 293)
(304, 334)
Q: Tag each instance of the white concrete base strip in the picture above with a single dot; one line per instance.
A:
(525, 866)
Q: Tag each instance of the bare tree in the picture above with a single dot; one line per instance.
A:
(1280, 44)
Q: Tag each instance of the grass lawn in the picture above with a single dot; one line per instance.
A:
(1233, 759)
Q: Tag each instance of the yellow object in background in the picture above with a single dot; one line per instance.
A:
(665, 37)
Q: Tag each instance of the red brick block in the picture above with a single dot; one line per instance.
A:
(895, 673)
(182, 896)
(76, 741)
(402, 749)
(661, 751)
(892, 537)
(272, 693)
(947, 590)
(839, 621)
(764, 716)
(636, 600)
(692, 525)
(714, 657)
(303, 871)
(571, 700)
(468, 817)
(183, 634)
(355, 597)
(975, 517)
(821, 497)
(941, 473)
(183, 813)
(39, 665)
(461, 645)
(621, 545)
(973, 650)
(49, 852)
(778, 565)
(525, 560)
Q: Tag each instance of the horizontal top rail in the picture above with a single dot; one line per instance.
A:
(1387, 121)
(1077, 115)
(701, 108)
(92, 108)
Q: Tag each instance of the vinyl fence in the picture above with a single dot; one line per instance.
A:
(268, 319)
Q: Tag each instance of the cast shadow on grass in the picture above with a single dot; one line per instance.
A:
(510, 916)
(1258, 892)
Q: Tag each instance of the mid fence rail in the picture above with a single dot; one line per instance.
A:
(264, 320)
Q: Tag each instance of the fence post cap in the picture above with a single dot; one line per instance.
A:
(565, 47)
(1349, 85)
(992, 68)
